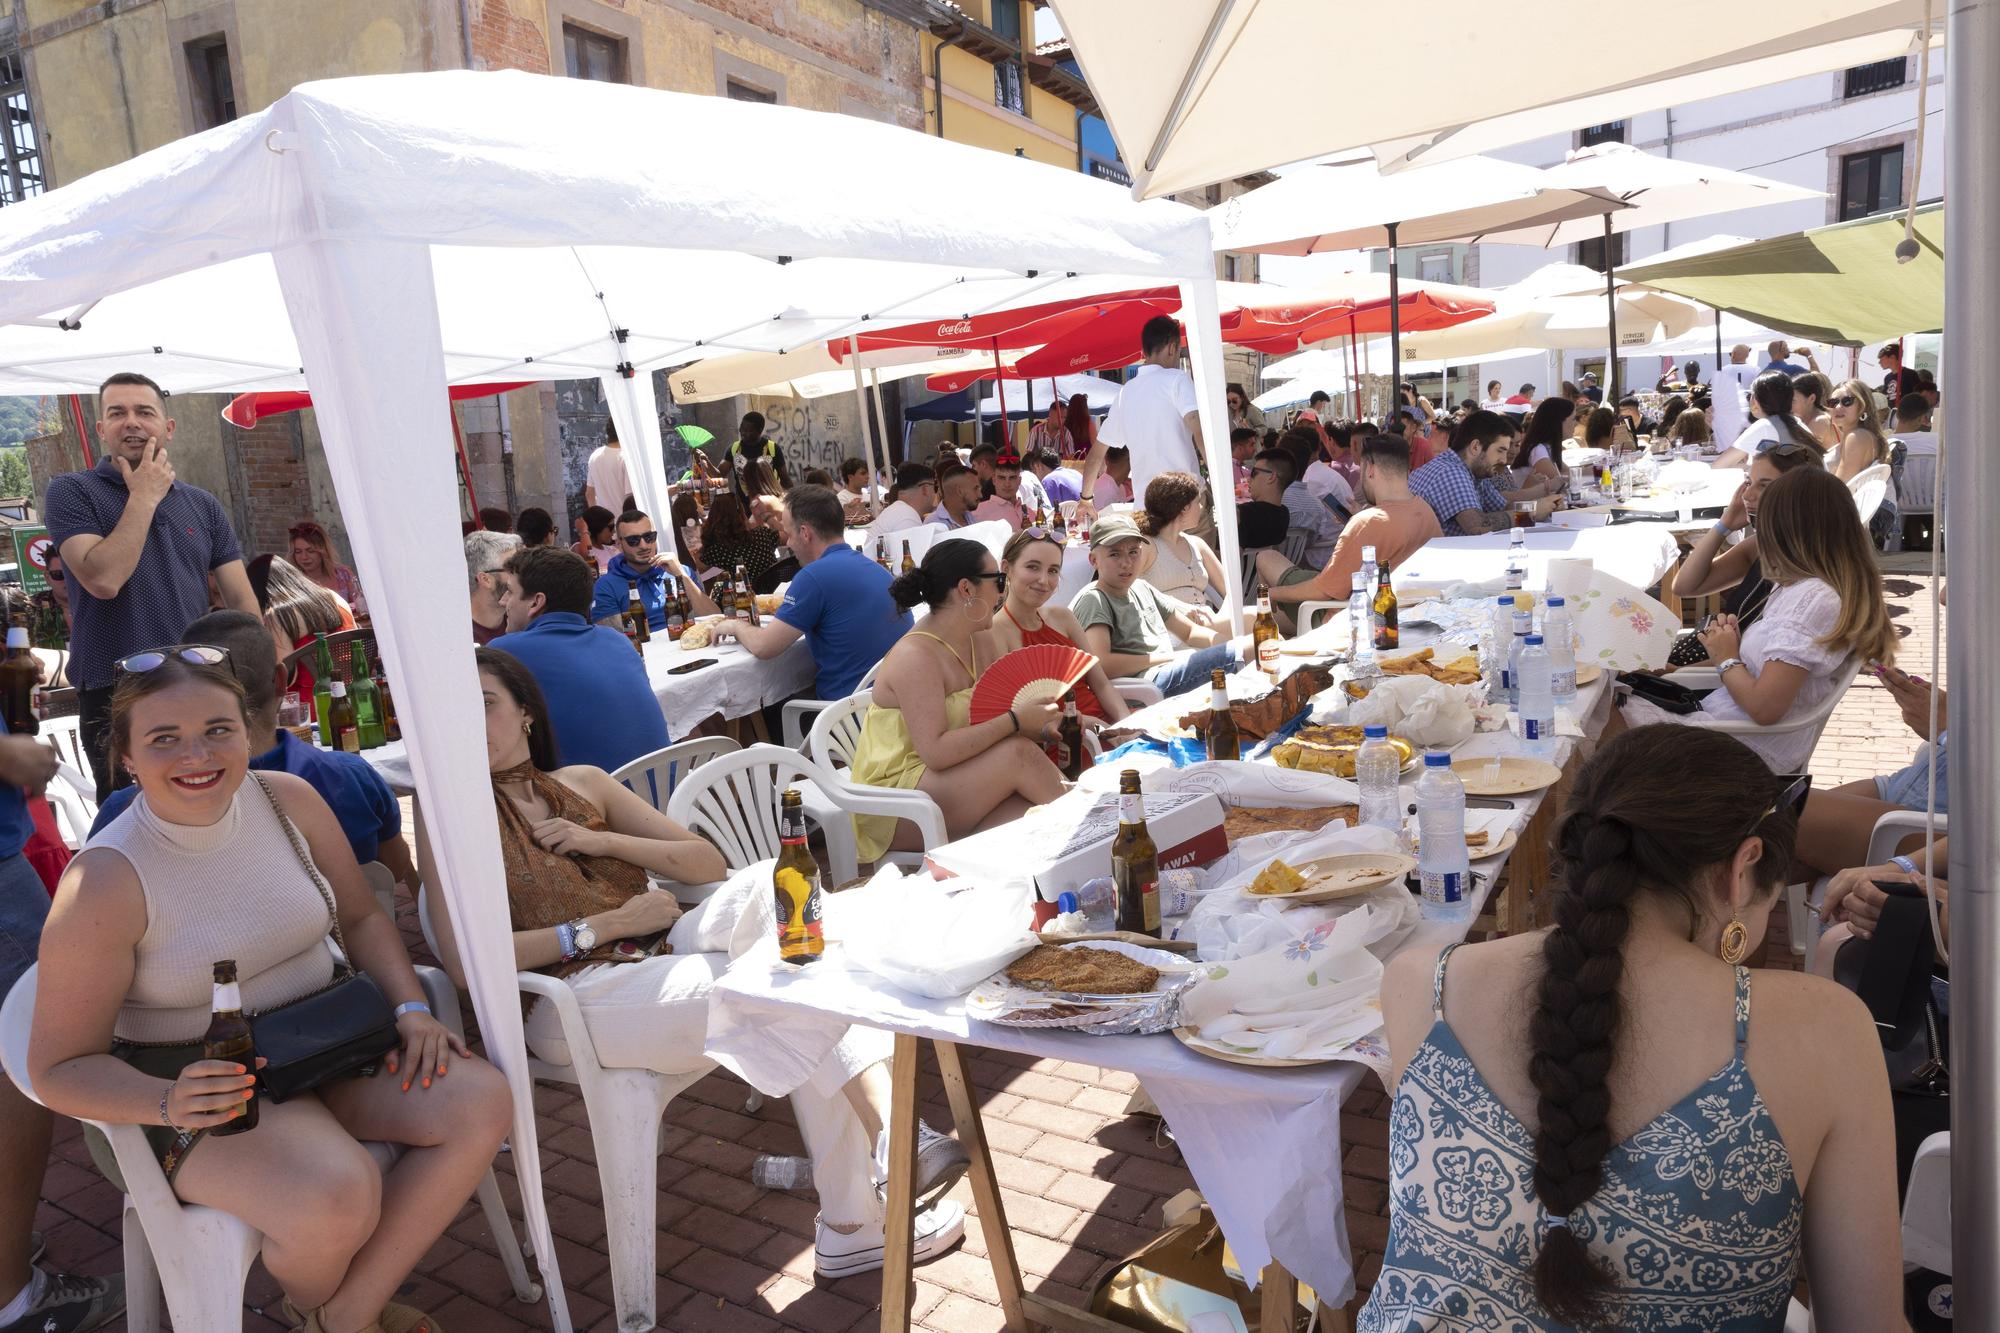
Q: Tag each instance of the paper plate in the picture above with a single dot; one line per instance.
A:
(1194, 1041)
(1500, 848)
(1587, 675)
(1334, 877)
(1516, 776)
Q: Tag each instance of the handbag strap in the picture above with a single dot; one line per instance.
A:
(306, 863)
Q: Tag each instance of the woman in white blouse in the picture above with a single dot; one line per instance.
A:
(1826, 609)
(1180, 563)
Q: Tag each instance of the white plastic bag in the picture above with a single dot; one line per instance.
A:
(938, 938)
(1441, 716)
(1230, 922)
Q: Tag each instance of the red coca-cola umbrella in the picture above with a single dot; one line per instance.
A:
(247, 409)
(1022, 326)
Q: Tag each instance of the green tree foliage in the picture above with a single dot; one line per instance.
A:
(14, 478)
(22, 418)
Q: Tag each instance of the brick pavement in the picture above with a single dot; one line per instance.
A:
(1084, 1184)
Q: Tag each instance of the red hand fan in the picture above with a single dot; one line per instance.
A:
(1039, 671)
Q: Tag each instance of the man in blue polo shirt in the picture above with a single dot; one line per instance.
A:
(367, 810)
(138, 547)
(601, 703)
(839, 601)
(640, 565)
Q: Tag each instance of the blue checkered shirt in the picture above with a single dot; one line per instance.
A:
(168, 589)
(1447, 485)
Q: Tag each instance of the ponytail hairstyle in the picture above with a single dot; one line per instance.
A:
(1625, 833)
(945, 566)
(1772, 392)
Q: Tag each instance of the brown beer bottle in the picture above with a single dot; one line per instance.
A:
(795, 883)
(1135, 862)
(1224, 741)
(19, 677)
(1387, 635)
(746, 597)
(636, 628)
(1069, 740)
(909, 561)
(228, 1038)
(1264, 632)
(882, 554)
(676, 613)
(346, 724)
(392, 729)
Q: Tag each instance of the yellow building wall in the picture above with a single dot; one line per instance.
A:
(974, 118)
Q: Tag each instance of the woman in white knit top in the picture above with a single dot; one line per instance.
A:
(202, 868)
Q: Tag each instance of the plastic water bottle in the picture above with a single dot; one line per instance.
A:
(782, 1173)
(1371, 571)
(1495, 641)
(1442, 861)
(1522, 624)
(1517, 560)
(1537, 708)
(1561, 642)
(1376, 765)
(1361, 619)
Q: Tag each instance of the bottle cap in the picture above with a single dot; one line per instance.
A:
(1066, 902)
(1518, 535)
(17, 636)
(1367, 555)
(1553, 601)
(1437, 759)
(1375, 731)
(1507, 600)
(1534, 640)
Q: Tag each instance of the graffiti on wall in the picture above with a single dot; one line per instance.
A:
(581, 414)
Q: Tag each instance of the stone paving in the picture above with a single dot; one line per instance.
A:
(1084, 1183)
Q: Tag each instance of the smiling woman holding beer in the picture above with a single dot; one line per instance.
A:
(205, 867)
(577, 846)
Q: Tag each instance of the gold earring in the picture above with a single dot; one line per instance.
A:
(527, 724)
(1735, 941)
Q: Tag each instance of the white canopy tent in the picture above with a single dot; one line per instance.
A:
(1175, 81)
(1526, 319)
(373, 198)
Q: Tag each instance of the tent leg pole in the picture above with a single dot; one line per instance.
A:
(1718, 339)
(1611, 387)
(1395, 327)
(1000, 387)
(881, 421)
(1972, 320)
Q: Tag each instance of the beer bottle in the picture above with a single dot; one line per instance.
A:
(323, 690)
(676, 612)
(392, 730)
(795, 882)
(228, 1038)
(367, 701)
(909, 561)
(746, 597)
(882, 554)
(1386, 633)
(1264, 632)
(1135, 862)
(636, 627)
(1224, 741)
(341, 717)
(1069, 740)
(18, 682)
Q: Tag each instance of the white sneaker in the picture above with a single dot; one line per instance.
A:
(941, 1163)
(837, 1255)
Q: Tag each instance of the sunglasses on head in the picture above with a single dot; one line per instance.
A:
(1792, 796)
(194, 654)
(641, 538)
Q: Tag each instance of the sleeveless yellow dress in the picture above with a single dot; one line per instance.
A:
(886, 757)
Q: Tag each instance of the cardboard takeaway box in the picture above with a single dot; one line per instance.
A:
(1061, 845)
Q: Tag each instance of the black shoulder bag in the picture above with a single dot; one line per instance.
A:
(1892, 975)
(341, 1030)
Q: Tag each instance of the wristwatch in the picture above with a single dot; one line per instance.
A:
(586, 936)
(1722, 668)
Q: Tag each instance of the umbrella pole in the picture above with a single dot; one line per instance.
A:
(1395, 328)
(1718, 339)
(1611, 327)
(881, 421)
(1000, 386)
(1353, 373)
(861, 406)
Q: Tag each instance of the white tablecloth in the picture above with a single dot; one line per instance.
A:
(1636, 553)
(737, 685)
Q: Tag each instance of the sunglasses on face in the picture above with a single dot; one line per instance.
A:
(54, 576)
(642, 538)
(1263, 472)
(194, 654)
(1845, 400)
(999, 580)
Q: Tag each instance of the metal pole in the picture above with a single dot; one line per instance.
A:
(1972, 320)
(881, 421)
(1611, 328)
(1395, 329)
(999, 383)
(1353, 372)
(861, 409)
(1718, 343)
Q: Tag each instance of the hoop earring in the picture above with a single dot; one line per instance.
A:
(1735, 941)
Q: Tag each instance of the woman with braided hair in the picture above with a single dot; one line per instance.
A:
(1590, 1132)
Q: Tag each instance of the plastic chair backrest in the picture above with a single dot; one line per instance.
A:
(1293, 548)
(733, 801)
(1927, 1206)
(836, 732)
(17, 1018)
(1870, 487)
(1916, 486)
(654, 776)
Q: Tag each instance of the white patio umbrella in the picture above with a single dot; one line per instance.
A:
(1655, 190)
(1180, 84)
(1351, 206)
(1540, 312)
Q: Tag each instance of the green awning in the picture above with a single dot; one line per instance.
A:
(1838, 284)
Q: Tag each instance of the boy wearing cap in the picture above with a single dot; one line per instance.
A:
(1127, 622)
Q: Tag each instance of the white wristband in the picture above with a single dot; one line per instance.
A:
(413, 1007)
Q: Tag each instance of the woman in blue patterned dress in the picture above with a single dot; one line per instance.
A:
(1588, 1129)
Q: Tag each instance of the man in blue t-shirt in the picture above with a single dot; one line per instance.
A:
(640, 565)
(840, 600)
(363, 803)
(600, 701)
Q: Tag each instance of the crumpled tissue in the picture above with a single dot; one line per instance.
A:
(1230, 922)
(1423, 711)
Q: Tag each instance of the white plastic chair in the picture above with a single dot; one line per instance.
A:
(654, 775)
(1927, 1207)
(1810, 723)
(799, 713)
(733, 801)
(1890, 830)
(1309, 613)
(1869, 488)
(625, 1108)
(835, 734)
